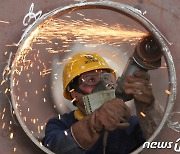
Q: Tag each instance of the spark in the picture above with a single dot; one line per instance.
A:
(65, 132)
(73, 100)
(4, 110)
(26, 94)
(39, 131)
(34, 121)
(71, 90)
(80, 14)
(64, 46)
(67, 50)
(10, 45)
(11, 135)
(68, 16)
(41, 143)
(44, 66)
(42, 127)
(142, 114)
(163, 67)
(14, 149)
(3, 82)
(24, 118)
(6, 22)
(17, 82)
(167, 92)
(31, 65)
(5, 53)
(3, 126)
(16, 105)
(2, 117)
(6, 90)
(59, 116)
(46, 71)
(54, 51)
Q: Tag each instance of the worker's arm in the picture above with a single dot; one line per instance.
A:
(148, 109)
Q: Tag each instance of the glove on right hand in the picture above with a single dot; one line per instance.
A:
(111, 115)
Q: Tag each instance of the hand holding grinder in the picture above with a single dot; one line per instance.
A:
(147, 56)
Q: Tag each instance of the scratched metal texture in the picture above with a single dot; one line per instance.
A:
(164, 15)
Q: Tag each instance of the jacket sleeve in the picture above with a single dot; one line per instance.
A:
(58, 138)
(149, 118)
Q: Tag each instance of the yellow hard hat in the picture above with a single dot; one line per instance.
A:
(81, 63)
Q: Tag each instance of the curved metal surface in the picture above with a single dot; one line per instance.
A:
(147, 24)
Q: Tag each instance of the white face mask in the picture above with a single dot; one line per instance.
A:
(95, 100)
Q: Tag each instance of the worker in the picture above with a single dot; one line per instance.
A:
(78, 132)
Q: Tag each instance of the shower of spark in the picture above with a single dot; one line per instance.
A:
(86, 31)
(29, 59)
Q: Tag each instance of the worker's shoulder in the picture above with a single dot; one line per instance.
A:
(66, 119)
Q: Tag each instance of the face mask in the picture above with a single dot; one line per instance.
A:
(95, 100)
(102, 93)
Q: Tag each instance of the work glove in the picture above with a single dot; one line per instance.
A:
(140, 87)
(148, 110)
(111, 115)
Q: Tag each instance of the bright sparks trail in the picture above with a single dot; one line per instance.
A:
(88, 31)
(68, 32)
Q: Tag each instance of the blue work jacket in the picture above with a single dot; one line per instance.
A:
(58, 138)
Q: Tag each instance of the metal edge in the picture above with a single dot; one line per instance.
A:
(133, 13)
